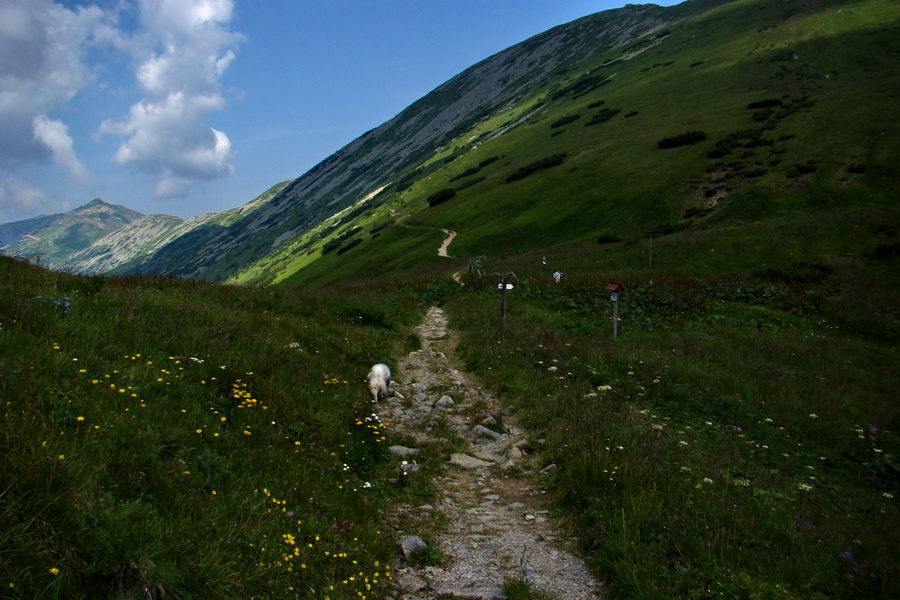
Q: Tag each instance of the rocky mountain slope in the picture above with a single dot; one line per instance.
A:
(386, 153)
(142, 239)
(52, 239)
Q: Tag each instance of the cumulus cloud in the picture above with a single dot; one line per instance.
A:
(42, 48)
(55, 136)
(187, 47)
(179, 50)
(20, 200)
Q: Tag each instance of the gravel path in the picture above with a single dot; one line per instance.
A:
(442, 250)
(490, 515)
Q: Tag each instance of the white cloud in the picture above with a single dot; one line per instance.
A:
(187, 47)
(20, 200)
(42, 48)
(179, 49)
(55, 136)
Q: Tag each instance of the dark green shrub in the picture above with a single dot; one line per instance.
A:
(488, 161)
(798, 272)
(763, 114)
(544, 163)
(754, 172)
(564, 120)
(596, 104)
(697, 64)
(857, 168)
(608, 238)
(348, 246)
(604, 115)
(800, 169)
(765, 103)
(470, 182)
(682, 139)
(581, 86)
(667, 229)
(629, 115)
(441, 196)
(379, 227)
(332, 245)
(745, 138)
(466, 173)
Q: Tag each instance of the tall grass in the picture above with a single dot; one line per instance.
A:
(174, 439)
(740, 445)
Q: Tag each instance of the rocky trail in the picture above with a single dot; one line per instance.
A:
(489, 521)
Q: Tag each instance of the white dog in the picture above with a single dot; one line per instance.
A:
(379, 381)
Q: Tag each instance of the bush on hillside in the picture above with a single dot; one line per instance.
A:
(668, 229)
(564, 120)
(763, 114)
(544, 163)
(331, 246)
(608, 238)
(379, 227)
(581, 86)
(798, 272)
(682, 139)
(800, 169)
(745, 138)
(441, 196)
(348, 246)
(488, 161)
(466, 173)
(604, 115)
(470, 183)
(765, 103)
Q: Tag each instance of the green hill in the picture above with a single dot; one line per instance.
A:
(789, 99)
(733, 168)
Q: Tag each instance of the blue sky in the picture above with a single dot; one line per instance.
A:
(191, 106)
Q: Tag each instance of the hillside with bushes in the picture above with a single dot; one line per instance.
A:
(733, 168)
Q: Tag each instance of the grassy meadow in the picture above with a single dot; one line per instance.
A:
(738, 439)
(181, 439)
(185, 440)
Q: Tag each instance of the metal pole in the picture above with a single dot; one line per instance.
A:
(503, 303)
(615, 318)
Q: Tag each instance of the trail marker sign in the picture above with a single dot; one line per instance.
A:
(614, 289)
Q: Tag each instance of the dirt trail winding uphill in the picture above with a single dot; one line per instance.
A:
(494, 521)
(442, 251)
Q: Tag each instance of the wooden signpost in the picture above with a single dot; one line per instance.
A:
(614, 289)
(503, 286)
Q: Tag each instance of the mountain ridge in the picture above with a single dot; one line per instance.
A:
(630, 123)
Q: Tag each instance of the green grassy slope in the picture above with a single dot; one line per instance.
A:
(824, 146)
(167, 439)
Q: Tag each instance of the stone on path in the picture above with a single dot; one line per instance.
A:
(403, 451)
(410, 543)
(469, 462)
